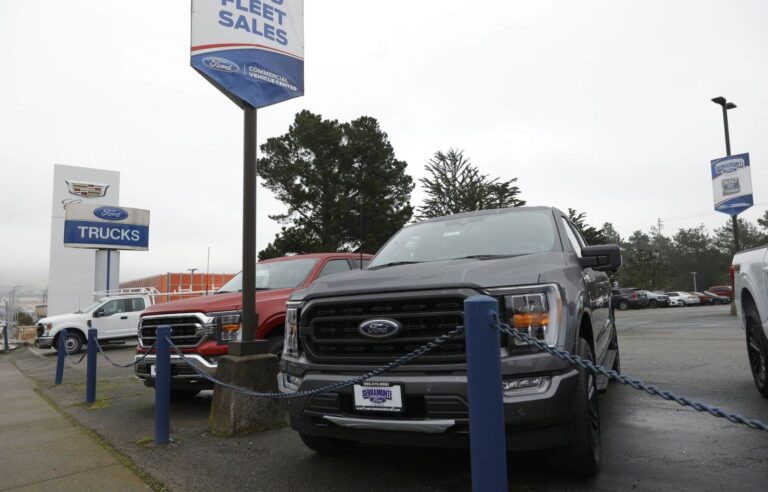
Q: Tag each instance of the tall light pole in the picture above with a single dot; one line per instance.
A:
(14, 310)
(207, 270)
(694, 282)
(726, 106)
(192, 277)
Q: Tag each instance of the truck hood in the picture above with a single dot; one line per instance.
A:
(231, 301)
(64, 317)
(473, 273)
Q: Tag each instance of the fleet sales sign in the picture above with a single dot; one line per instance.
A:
(106, 227)
(732, 184)
(252, 50)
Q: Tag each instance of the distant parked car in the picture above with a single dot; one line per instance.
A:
(656, 299)
(722, 290)
(716, 299)
(704, 300)
(628, 298)
(686, 298)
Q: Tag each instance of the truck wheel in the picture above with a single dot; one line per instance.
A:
(73, 344)
(582, 456)
(325, 445)
(183, 395)
(276, 346)
(757, 349)
(623, 305)
(653, 304)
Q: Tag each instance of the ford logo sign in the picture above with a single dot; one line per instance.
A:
(221, 64)
(379, 328)
(111, 213)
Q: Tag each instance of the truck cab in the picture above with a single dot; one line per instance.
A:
(115, 315)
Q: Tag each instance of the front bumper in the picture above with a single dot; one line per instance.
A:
(435, 406)
(44, 342)
(182, 376)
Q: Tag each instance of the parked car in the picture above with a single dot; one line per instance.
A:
(548, 284)
(683, 298)
(202, 327)
(704, 299)
(716, 299)
(628, 298)
(722, 290)
(751, 289)
(656, 299)
(115, 317)
(675, 300)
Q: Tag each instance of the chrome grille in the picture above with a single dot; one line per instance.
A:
(186, 329)
(329, 331)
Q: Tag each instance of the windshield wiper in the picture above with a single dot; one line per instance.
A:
(394, 263)
(482, 257)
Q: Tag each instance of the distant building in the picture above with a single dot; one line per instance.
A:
(180, 285)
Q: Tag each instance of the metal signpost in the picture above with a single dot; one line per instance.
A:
(254, 53)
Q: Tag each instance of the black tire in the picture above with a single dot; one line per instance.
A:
(757, 350)
(582, 457)
(653, 304)
(326, 445)
(183, 394)
(623, 305)
(74, 343)
(276, 346)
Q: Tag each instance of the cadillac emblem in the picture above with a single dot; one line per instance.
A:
(87, 190)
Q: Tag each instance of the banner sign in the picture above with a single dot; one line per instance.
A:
(252, 50)
(106, 227)
(732, 184)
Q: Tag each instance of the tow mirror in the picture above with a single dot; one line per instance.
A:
(601, 257)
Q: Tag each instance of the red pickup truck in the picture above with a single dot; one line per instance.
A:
(202, 326)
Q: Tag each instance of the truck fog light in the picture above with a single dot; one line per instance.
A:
(292, 382)
(531, 385)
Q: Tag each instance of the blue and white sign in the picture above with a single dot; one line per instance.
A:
(732, 184)
(252, 50)
(106, 227)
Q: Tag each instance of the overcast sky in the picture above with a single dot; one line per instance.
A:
(599, 106)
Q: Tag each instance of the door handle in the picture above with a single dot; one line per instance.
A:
(123, 317)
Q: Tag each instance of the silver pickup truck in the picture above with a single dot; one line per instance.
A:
(750, 278)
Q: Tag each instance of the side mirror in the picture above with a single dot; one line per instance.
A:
(601, 257)
(98, 313)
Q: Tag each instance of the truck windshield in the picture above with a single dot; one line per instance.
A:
(287, 274)
(508, 233)
(90, 307)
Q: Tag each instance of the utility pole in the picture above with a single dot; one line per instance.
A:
(726, 106)
(695, 289)
(207, 270)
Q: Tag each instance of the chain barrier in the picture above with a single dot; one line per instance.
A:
(68, 354)
(124, 366)
(637, 384)
(331, 387)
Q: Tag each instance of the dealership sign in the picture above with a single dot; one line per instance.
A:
(106, 227)
(732, 184)
(252, 50)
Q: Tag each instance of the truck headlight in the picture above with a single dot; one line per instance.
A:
(227, 325)
(535, 310)
(291, 342)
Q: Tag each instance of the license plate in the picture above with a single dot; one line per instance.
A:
(373, 396)
(152, 370)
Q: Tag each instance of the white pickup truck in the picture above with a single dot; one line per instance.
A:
(750, 278)
(115, 316)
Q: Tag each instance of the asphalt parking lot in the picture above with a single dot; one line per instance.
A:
(648, 443)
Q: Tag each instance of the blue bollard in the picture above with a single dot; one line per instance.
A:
(5, 338)
(487, 442)
(60, 355)
(90, 382)
(163, 386)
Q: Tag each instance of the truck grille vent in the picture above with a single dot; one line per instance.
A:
(186, 330)
(330, 331)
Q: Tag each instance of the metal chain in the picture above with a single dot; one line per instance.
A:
(331, 387)
(68, 354)
(638, 384)
(123, 366)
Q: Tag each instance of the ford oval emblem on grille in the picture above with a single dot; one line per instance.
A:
(379, 328)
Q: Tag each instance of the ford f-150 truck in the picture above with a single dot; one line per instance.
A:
(202, 327)
(115, 316)
(548, 282)
(750, 291)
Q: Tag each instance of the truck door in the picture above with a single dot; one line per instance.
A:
(111, 319)
(137, 305)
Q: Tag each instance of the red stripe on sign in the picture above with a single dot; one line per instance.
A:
(246, 45)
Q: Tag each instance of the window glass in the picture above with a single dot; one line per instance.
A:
(285, 274)
(572, 238)
(334, 266)
(355, 262)
(137, 304)
(113, 307)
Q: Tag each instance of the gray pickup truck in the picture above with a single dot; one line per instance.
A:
(548, 283)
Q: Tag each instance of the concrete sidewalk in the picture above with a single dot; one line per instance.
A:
(42, 450)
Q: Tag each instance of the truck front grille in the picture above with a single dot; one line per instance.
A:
(330, 333)
(40, 329)
(186, 329)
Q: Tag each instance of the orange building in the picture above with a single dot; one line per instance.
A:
(180, 285)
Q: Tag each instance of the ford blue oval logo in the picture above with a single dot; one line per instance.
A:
(221, 64)
(111, 213)
(379, 328)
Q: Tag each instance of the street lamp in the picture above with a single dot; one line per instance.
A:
(192, 277)
(14, 311)
(694, 282)
(726, 106)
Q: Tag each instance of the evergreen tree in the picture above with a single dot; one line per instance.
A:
(591, 234)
